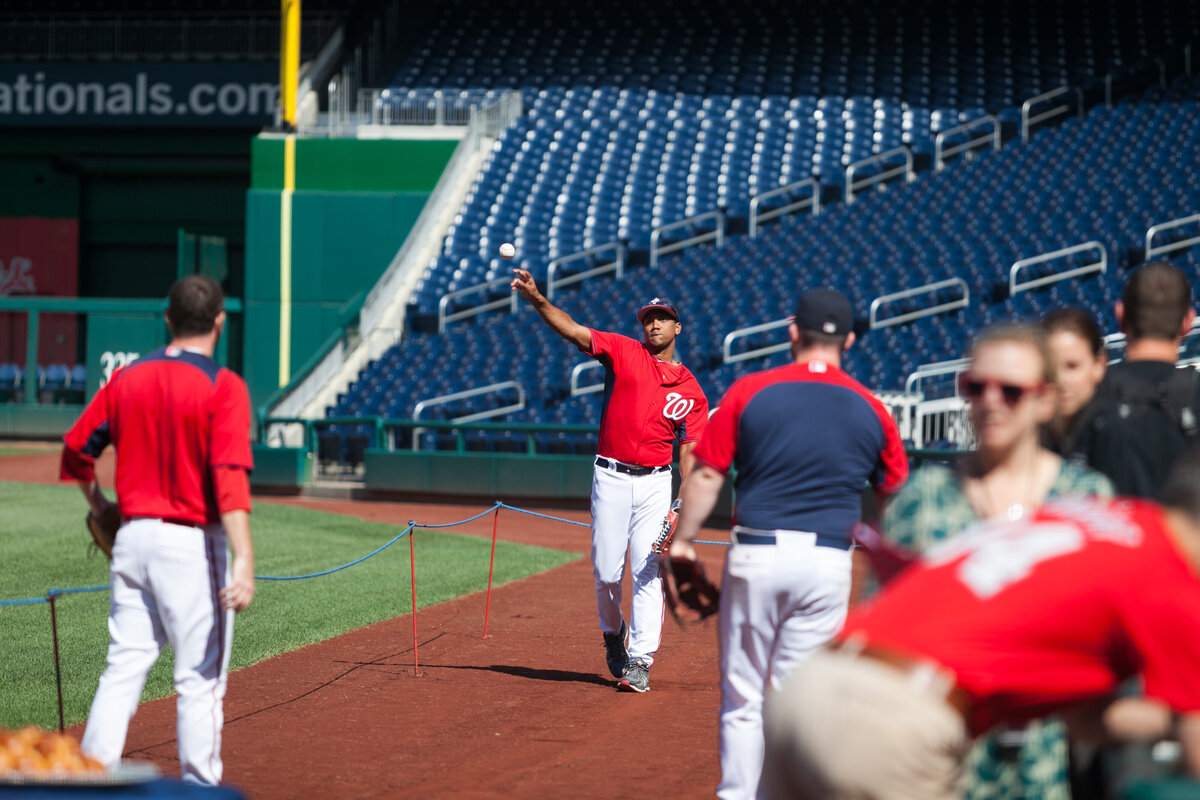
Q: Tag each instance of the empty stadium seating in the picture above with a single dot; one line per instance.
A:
(639, 120)
(57, 383)
(638, 126)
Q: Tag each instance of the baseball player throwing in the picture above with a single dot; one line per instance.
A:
(805, 438)
(650, 401)
(181, 428)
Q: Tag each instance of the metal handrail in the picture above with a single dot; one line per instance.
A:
(932, 370)
(443, 317)
(1114, 342)
(1100, 266)
(1153, 230)
(453, 396)
(577, 371)
(727, 356)
(906, 170)
(756, 218)
(1111, 75)
(1028, 121)
(617, 266)
(941, 153)
(928, 288)
(656, 235)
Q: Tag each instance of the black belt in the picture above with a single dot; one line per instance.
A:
(628, 469)
(823, 539)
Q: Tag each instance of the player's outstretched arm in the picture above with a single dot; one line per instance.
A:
(558, 320)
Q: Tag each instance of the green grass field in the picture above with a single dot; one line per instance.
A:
(8, 450)
(43, 545)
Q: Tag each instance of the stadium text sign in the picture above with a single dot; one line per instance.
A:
(138, 94)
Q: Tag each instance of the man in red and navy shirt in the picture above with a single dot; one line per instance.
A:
(650, 401)
(805, 439)
(181, 428)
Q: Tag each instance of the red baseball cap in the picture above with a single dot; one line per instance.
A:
(657, 302)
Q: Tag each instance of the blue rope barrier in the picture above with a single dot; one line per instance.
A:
(543, 516)
(344, 566)
(25, 602)
(460, 522)
(583, 524)
(79, 589)
(376, 551)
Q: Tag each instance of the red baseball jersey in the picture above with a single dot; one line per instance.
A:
(648, 403)
(173, 416)
(806, 438)
(1036, 614)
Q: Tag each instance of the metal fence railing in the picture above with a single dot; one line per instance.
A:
(1171, 246)
(934, 292)
(351, 108)
(878, 170)
(1100, 266)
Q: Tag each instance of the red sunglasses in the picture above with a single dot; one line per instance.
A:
(973, 389)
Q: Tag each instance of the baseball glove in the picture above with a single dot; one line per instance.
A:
(104, 529)
(690, 596)
(668, 530)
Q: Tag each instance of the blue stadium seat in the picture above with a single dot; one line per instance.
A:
(599, 158)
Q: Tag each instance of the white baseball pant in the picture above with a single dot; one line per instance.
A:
(166, 580)
(627, 516)
(779, 604)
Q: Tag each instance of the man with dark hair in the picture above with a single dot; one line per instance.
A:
(1007, 622)
(650, 401)
(193, 304)
(805, 439)
(181, 428)
(1147, 411)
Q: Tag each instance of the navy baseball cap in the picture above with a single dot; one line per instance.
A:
(657, 302)
(824, 310)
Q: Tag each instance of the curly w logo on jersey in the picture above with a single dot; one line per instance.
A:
(677, 406)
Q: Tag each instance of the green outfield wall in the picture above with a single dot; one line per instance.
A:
(496, 475)
(352, 208)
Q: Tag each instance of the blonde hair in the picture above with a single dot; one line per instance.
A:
(1021, 333)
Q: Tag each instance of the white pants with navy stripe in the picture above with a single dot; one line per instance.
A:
(165, 584)
(779, 604)
(627, 516)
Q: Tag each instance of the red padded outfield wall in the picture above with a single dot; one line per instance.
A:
(39, 257)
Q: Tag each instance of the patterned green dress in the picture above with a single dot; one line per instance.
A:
(932, 507)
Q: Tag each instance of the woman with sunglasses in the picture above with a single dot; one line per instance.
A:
(1010, 386)
(1081, 359)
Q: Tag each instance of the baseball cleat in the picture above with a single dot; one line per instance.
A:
(614, 650)
(636, 677)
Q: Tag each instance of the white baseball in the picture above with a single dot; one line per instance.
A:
(507, 250)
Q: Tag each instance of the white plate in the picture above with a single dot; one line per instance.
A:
(123, 774)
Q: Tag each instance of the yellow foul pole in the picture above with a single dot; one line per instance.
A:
(289, 67)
